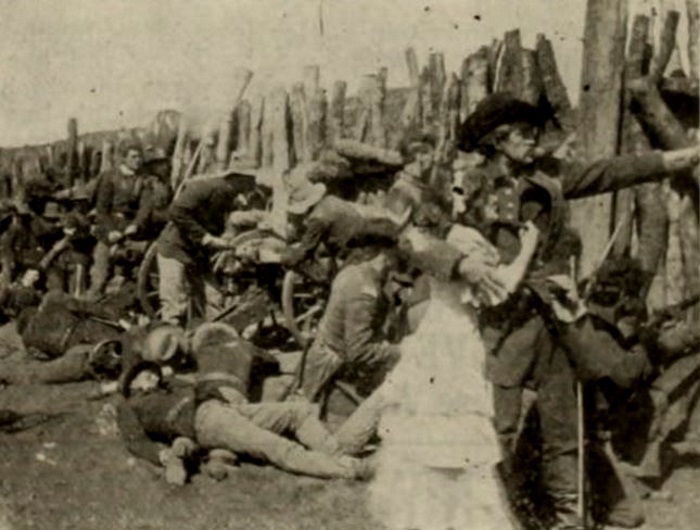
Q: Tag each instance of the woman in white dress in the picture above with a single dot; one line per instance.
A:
(436, 464)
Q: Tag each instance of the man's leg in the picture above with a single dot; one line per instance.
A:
(297, 418)
(356, 432)
(221, 426)
(99, 272)
(320, 365)
(557, 407)
(70, 367)
(172, 290)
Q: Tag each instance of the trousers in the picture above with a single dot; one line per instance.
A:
(256, 430)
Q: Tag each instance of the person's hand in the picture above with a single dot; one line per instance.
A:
(529, 235)
(215, 242)
(566, 304)
(481, 275)
(130, 230)
(114, 236)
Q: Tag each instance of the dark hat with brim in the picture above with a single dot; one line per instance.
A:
(492, 112)
(153, 155)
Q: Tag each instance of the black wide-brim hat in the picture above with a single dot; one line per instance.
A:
(492, 112)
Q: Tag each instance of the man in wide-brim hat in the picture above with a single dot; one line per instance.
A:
(198, 217)
(323, 219)
(509, 185)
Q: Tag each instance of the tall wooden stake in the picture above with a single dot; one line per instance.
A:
(600, 110)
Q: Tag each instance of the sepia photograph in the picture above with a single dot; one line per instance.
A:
(349, 264)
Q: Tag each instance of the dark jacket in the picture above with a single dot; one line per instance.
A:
(158, 416)
(357, 307)
(498, 204)
(121, 200)
(331, 222)
(201, 208)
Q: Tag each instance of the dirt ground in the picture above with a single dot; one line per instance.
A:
(72, 472)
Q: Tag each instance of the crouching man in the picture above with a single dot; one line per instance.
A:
(216, 415)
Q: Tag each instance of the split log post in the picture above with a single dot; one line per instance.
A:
(667, 45)
(266, 132)
(428, 111)
(257, 111)
(336, 114)
(598, 131)
(554, 88)
(633, 139)
(438, 79)
(95, 163)
(669, 134)
(297, 107)
(242, 131)
(376, 131)
(411, 113)
(317, 115)
(107, 161)
(277, 119)
(510, 78)
(494, 55)
(223, 144)
(532, 78)
(475, 81)
(448, 131)
(72, 169)
(652, 223)
(693, 11)
(178, 159)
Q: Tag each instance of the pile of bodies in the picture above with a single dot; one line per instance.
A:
(187, 383)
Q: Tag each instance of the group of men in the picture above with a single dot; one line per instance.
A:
(545, 337)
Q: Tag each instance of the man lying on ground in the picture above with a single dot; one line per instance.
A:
(154, 412)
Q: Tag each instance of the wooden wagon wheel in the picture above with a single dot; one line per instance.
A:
(147, 282)
(303, 303)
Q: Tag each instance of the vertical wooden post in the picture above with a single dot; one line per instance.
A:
(438, 78)
(554, 87)
(317, 112)
(72, 161)
(375, 98)
(632, 139)
(475, 81)
(599, 123)
(298, 111)
(667, 44)
(670, 135)
(223, 144)
(276, 121)
(428, 111)
(693, 10)
(256, 119)
(95, 163)
(411, 113)
(266, 132)
(532, 78)
(107, 161)
(510, 77)
(494, 55)
(336, 115)
(178, 154)
(243, 124)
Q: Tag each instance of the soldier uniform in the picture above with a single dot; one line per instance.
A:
(123, 198)
(349, 333)
(524, 351)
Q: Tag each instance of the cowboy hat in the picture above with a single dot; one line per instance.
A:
(304, 195)
(492, 112)
(210, 333)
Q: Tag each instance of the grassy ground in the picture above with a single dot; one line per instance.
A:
(73, 473)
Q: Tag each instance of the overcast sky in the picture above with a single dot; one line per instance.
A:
(113, 63)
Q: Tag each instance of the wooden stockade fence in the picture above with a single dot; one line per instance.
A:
(629, 103)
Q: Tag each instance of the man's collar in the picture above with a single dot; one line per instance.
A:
(126, 171)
